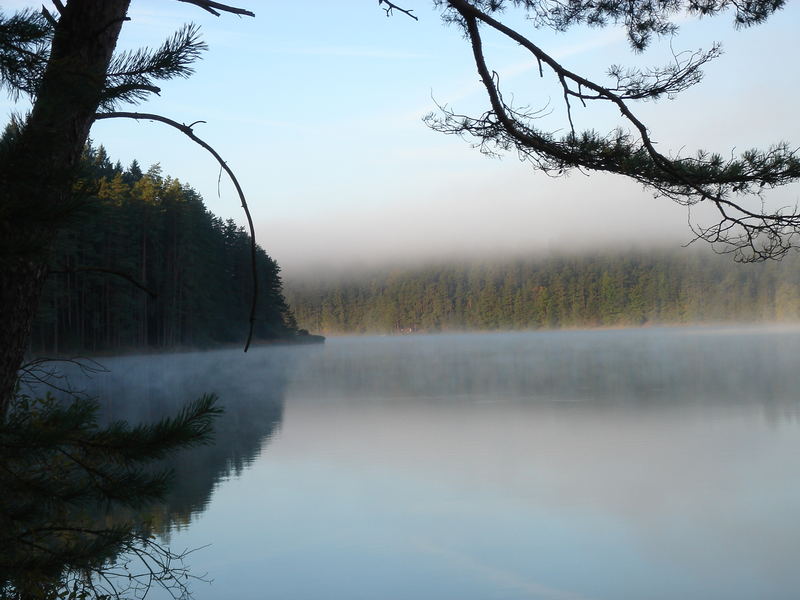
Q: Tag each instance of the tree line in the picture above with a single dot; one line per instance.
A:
(606, 290)
(145, 265)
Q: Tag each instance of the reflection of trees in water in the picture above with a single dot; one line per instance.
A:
(625, 367)
(77, 508)
(250, 390)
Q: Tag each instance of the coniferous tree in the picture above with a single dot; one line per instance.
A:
(65, 64)
(193, 270)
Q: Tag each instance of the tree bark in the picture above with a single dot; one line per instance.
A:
(37, 167)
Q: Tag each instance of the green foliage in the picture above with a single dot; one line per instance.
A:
(611, 290)
(642, 19)
(25, 39)
(132, 75)
(24, 42)
(66, 483)
(154, 231)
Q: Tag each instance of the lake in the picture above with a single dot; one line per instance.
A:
(617, 464)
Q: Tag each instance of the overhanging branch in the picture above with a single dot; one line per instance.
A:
(753, 234)
(188, 132)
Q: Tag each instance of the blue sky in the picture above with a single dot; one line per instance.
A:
(317, 106)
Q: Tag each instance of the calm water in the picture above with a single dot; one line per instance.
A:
(643, 464)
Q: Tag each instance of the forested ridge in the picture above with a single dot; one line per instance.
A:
(144, 265)
(598, 290)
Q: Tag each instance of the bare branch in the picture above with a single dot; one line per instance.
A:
(49, 16)
(187, 131)
(126, 276)
(216, 8)
(391, 7)
(43, 371)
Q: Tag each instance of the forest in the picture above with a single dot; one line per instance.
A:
(607, 289)
(144, 265)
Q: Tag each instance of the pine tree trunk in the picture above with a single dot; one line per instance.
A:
(36, 171)
(19, 280)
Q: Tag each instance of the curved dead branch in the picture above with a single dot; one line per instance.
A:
(189, 132)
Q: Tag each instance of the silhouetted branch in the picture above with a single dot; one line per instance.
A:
(42, 371)
(391, 7)
(126, 276)
(753, 235)
(59, 6)
(49, 16)
(215, 8)
(187, 130)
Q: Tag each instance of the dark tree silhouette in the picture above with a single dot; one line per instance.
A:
(67, 484)
(58, 468)
(64, 62)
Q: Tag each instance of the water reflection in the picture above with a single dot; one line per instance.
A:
(77, 516)
(609, 465)
(250, 387)
(640, 367)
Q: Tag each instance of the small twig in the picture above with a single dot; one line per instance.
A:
(566, 101)
(49, 16)
(126, 276)
(215, 7)
(391, 6)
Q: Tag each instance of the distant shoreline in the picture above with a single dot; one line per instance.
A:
(734, 325)
(587, 291)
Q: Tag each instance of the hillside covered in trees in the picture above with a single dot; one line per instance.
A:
(606, 290)
(147, 266)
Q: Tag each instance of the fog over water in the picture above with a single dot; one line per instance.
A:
(653, 463)
(513, 213)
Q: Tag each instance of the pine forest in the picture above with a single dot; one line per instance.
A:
(606, 289)
(146, 266)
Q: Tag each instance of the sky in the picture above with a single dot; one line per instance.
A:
(318, 106)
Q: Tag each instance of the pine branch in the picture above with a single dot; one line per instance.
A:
(641, 19)
(24, 45)
(750, 234)
(131, 74)
(96, 464)
(144, 443)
